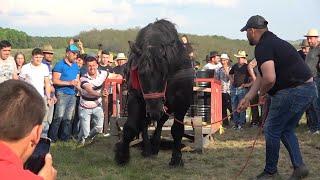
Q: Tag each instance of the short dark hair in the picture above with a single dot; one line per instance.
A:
(106, 52)
(91, 58)
(21, 108)
(36, 51)
(4, 44)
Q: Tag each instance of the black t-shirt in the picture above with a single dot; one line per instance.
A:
(120, 69)
(290, 68)
(241, 74)
(106, 68)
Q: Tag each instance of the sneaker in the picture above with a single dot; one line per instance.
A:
(254, 125)
(316, 132)
(299, 173)
(239, 127)
(81, 142)
(106, 135)
(266, 176)
(235, 127)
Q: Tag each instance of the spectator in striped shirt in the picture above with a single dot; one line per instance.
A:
(90, 107)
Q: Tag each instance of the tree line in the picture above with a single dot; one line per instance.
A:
(117, 41)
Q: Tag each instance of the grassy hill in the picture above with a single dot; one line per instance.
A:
(117, 41)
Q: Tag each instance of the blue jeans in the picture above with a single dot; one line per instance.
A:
(47, 120)
(313, 111)
(85, 115)
(286, 108)
(63, 114)
(236, 95)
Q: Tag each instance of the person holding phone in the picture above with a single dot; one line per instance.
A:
(20, 130)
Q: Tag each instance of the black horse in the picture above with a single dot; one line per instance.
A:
(160, 78)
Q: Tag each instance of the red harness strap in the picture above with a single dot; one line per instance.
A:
(135, 84)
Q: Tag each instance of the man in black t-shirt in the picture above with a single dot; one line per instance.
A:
(288, 80)
(239, 79)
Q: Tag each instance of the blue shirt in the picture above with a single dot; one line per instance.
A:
(68, 73)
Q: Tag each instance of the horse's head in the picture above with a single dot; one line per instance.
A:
(152, 73)
(155, 53)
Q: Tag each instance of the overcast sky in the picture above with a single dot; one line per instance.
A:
(289, 19)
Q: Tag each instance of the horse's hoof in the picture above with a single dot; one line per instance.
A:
(155, 148)
(146, 154)
(176, 162)
(155, 152)
(122, 155)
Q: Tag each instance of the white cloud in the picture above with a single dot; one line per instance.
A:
(218, 3)
(68, 13)
(178, 19)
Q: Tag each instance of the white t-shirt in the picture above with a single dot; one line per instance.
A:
(35, 76)
(7, 69)
(212, 66)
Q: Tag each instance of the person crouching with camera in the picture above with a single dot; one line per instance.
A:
(22, 110)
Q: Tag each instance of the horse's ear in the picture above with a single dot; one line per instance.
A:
(134, 48)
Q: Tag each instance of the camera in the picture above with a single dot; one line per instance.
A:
(37, 159)
(75, 40)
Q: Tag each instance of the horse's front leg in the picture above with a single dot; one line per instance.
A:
(177, 131)
(156, 138)
(136, 112)
(146, 150)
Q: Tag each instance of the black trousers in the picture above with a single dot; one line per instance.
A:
(226, 105)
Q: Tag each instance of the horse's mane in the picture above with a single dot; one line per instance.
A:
(156, 48)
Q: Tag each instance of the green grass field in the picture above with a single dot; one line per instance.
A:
(222, 160)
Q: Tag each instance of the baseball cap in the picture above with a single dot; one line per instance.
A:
(256, 22)
(73, 48)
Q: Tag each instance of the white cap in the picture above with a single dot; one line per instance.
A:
(224, 56)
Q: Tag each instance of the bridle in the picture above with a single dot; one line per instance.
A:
(154, 95)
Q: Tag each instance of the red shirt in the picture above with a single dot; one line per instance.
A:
(11, 167)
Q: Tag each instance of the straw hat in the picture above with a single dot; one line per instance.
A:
(312, 33)
(121, 56)
(47, 48)
(240, 54)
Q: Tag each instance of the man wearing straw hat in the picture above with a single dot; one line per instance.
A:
(121, 61)
(312, 59)
(289, 83)
(47, 60)
(240, 81)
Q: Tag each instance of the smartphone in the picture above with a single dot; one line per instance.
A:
(37, 159)
(75, 40)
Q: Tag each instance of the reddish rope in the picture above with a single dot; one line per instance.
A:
(223, 119)
(254, 142)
